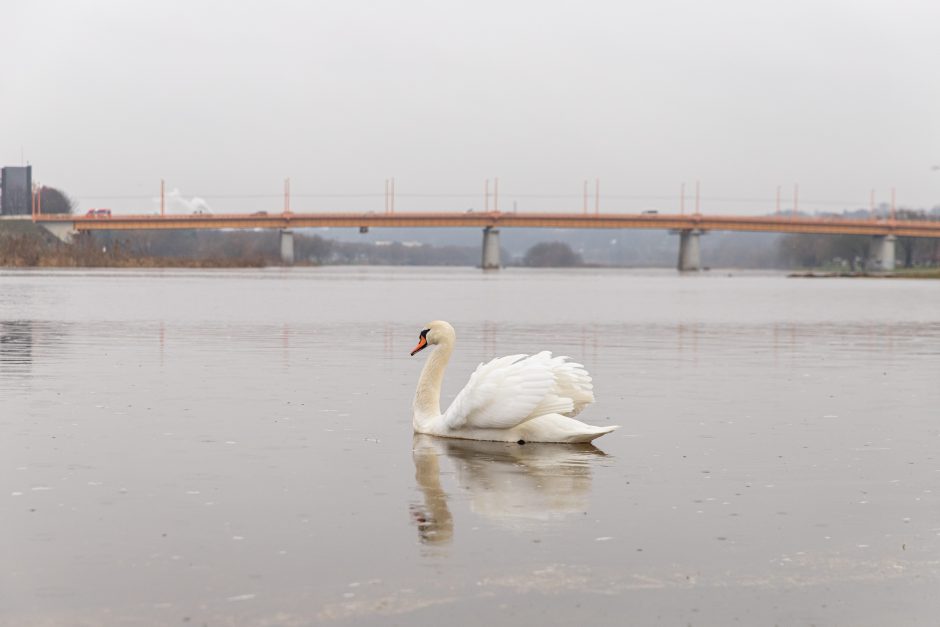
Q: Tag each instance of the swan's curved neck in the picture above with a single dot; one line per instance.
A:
(427, 403)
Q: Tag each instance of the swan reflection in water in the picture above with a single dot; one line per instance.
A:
(513, 486)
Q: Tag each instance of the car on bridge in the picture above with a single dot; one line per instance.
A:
(98, 213)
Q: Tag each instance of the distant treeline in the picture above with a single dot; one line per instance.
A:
(817, 251)
(851, 251)
(23, 244)
(263, 248)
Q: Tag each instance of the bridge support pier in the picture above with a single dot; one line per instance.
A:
(287, 247)
(64, 231)
(882, 253)
(690, 256)
(490, 249)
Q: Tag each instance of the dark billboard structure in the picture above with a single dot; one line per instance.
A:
(16, 187)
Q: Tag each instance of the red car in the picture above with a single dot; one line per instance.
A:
(98, 213)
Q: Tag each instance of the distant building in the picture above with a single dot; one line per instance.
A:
(16, 190)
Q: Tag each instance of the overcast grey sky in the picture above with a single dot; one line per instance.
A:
(227, 98)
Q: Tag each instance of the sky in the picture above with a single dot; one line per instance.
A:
(225, 100)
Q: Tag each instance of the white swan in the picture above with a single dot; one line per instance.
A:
(519, 398)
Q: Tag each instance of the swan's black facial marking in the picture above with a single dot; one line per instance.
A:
(422, 342)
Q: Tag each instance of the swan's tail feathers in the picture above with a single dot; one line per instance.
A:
(559, 428)
(590, 437)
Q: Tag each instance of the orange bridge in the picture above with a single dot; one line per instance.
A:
(702, 222)
(689, 226)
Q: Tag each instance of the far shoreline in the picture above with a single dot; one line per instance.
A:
(905, 273)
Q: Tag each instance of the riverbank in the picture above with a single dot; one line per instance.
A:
(25, 245)
(903, 273)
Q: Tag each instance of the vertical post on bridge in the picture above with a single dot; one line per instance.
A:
(584, 199)
(597, 197)
(162, 198)
(682, 199)
(389, 196)
(796, 199)
(287, 196)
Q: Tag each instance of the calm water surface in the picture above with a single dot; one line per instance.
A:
(235, 448)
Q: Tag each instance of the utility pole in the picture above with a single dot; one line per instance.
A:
(584, 201)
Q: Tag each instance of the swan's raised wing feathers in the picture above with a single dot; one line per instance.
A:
(508, 391)
(500, 394)
(573, 381)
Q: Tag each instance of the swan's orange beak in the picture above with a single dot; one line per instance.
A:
(422, 343)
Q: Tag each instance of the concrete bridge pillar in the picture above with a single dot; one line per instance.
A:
(490, 249)
(690, 257)
(287, 247)
(881, 255)
(64, 231)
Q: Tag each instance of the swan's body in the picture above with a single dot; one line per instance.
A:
(519, 398)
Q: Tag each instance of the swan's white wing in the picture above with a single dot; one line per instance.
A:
(508, 391)
(572, 381)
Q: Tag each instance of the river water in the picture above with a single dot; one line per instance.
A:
(235, 448)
